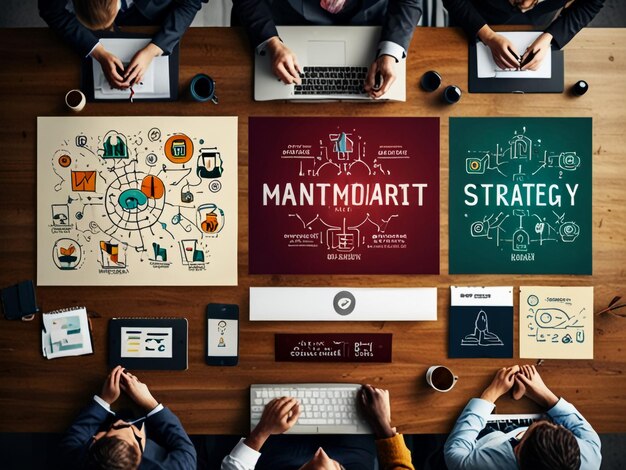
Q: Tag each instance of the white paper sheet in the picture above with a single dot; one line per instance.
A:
(156, 80)
(487, 68)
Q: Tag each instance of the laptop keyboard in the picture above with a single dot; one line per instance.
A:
(503, 422)
(332, 81)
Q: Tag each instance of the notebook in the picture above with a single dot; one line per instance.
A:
(160, 81)
(66, 333)
(148, 343)
(485, 77)
(480, 322)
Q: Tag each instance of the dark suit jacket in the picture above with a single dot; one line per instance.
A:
(174, 16)
(260, 17)
(474, 14)
(167, 446)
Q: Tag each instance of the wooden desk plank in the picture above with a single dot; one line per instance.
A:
(41, 395)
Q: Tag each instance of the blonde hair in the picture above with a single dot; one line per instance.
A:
(96, 14)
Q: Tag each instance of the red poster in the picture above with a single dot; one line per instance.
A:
(344, 195)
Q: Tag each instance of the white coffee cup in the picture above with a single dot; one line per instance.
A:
(75, 100)
(441, 378)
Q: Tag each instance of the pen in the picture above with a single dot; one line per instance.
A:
(132, 92)
(514, 54)
(529, 58)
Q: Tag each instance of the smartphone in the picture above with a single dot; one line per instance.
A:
(222, 347)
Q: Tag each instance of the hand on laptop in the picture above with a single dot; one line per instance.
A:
(279, 416)
(375, 406)
(112, 66)
(284, 62)
(139, 64)
(384, 67)
(534, 55)
(503, 51)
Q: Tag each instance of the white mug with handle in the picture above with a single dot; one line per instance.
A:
(441, 378)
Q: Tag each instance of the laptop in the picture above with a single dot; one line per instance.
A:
(335, 61)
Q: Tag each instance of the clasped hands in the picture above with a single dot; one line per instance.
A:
(113, 68)
(380, 76)
(523, 381)
(121, 380)
(507, 58)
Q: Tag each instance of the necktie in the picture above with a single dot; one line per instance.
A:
(331, 6)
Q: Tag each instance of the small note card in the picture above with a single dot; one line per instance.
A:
(333, 347)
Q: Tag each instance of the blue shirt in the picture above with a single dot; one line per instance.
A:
(464, 451)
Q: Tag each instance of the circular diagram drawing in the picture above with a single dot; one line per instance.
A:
(135, 201)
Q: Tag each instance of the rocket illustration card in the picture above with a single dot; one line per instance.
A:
(556, 322)
(481, 322)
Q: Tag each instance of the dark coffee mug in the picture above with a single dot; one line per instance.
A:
(452, 94)
(430, 81)
(202, 88)
(580, 88)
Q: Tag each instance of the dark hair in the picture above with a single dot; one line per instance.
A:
(549, 447)
(95, 14)
(112, 453)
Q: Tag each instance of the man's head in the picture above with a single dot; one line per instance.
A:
(96, 14)
(548, 446)
(321, 461)
(118, 448)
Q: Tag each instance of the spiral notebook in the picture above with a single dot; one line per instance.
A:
(148, 343)
(66, 333)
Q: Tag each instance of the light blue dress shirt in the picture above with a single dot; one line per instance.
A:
(463, 451)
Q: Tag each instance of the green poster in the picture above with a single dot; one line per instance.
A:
(520, 195)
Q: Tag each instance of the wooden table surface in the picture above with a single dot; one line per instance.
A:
(41, 395)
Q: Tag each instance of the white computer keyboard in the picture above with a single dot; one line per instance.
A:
(326, 408)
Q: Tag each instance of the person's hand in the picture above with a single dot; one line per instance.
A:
(284, 62)
(375, 406)
(279, 415)
(503, 51)
(501, 383)
(139, 64)
(536, 389)
(112, 66)
(538, 49)
(384, 67)
(519, 389)
(111, 388)
(137, 391)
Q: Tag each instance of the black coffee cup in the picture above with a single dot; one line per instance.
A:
(202, 88)
(452, 94)
(430, 81)
(580, 88)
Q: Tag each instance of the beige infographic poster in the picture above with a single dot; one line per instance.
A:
(556, 322)
(137, 201)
